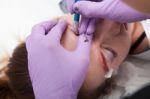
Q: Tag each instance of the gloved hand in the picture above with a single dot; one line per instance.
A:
(55, 72)
(87, 24)
(115, 10)
(70, 4)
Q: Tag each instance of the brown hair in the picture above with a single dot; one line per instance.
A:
(16, 83)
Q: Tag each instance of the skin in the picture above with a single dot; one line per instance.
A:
(107, 36)
(137, 31)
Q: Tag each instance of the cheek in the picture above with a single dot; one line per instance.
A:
(95, 75)
(123, 50)
(125, 46)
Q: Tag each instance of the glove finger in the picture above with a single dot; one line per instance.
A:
(83, 25)
(84, 44)
(43, 28)
(91, 27)
(90, 9)
(70, 5)
(57, 31)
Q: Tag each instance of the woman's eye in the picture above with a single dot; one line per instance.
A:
(111, 50)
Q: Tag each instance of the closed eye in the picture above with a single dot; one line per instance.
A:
(112, 50)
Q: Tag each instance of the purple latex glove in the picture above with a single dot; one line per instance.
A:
(115, 10)
(70, 4)
(87, 24)
(55, 72)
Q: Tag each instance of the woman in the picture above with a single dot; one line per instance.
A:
(106, 53)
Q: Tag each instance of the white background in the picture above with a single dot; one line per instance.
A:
(18, 16)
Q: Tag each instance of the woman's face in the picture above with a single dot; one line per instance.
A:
(110, 46)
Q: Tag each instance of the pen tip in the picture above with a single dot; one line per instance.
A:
(75, 28)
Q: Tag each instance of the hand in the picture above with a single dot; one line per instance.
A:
(87, 25)
(70, 4)
(55, 72)
(115, 10)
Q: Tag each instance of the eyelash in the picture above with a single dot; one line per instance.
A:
(110, 49)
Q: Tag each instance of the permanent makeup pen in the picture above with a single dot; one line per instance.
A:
(76, 21)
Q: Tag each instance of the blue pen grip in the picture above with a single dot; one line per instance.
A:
(76, 16)
(77, 0)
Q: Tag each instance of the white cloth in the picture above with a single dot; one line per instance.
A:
(134, 74)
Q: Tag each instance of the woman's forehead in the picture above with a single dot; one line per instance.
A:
(105, 26)
(107, 23)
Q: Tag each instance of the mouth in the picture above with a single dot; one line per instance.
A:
(108, 55)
